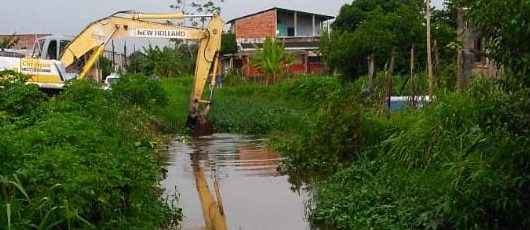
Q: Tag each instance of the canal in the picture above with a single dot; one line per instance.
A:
(253, 194)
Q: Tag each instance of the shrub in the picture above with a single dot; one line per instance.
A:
(331, 136)
(139, 90)
(84, 161)
(17, 98)
(462, 163)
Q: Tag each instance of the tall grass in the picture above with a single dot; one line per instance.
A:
(461, 163)
(178, 90)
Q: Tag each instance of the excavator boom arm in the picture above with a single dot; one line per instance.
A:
(133, 24)
(125, 24)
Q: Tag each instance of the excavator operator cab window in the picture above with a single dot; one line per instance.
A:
(52, 51)
(63, 43)
(37, 49)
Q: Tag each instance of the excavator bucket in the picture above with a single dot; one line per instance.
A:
(198, 121)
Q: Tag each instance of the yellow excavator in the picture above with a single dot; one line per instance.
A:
(57, 59)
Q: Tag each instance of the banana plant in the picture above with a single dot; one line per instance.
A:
(271, 60)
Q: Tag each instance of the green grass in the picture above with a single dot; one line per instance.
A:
(251, 109)
(173, 115)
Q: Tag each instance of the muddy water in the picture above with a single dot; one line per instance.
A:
(254, 195)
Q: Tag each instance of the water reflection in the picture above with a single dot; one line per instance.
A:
(254, 194)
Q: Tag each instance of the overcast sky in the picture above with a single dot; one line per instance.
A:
(70, 16)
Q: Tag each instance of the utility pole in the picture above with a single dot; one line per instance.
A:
(390, 75)
(125, 64)
(371, 72)
(113, 57)
(429, 50)
(412, 76)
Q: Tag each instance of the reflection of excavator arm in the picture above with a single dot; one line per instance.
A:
(132, 24)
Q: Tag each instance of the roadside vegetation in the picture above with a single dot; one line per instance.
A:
(83, 159)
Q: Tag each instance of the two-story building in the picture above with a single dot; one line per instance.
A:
(299, 32)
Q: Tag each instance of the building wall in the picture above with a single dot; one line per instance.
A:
(472, 58)
(256, 27)
(301, 65)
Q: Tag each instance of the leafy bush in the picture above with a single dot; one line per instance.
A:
(331, 136)
(312, 90)
(139, 90)
(460, 164)
(16, 98)
(251, 110)
(228, 43)
(83, 161)
(163, 62)
(373, 195)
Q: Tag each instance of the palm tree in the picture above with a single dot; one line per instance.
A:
(9, 42)
(271, 59)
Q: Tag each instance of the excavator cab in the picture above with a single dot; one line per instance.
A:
(51, 47)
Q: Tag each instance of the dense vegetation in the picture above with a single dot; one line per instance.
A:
(460, 162)
(504, 26)
(163, 62)
(83, 159)
(384, 30)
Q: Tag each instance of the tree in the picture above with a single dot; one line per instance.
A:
(372, 28)
(105, 66)
(163, 62)
(228, 43)
(197, 7)
(8, 42)
(429, 49)
(271, 59)
(504, 24)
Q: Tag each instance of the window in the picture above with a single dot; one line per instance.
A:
(282, 30)
(64, 43)
(51, 53)
(313, 59)
(290, 31)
